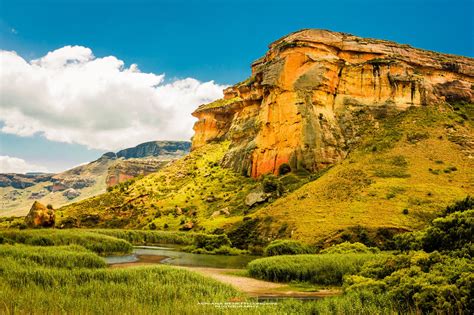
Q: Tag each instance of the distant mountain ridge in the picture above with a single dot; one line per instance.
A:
(17, 190)
(155, 148)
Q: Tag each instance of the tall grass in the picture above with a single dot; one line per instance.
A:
(287, 247)
(41, 280)
(98, 243)
(33, 289)
(71, 256)
(147, 237)
(328, 269)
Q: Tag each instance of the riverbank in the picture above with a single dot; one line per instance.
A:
(249, 286)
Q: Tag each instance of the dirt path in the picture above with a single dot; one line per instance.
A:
(254, 287)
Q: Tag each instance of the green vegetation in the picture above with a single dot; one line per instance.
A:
(72, 256)
(433, 273)
(428, 283)
(147, 237)
(386, 182)
(349, 248)
(328, 269)
(98, 243)
(39, 286)
(182, 196)
(219, 103)
(287, 247)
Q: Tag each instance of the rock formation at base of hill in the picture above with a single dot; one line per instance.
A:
(40, 216)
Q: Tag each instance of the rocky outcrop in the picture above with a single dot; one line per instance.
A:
(71, 193)
(40, 216)
(163, 149)
(126, 169)
(309, 97)
(22, 181)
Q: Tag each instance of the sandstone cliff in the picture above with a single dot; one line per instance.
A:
(310, 96)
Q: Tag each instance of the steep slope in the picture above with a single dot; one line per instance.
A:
(373, 134)
(401, 175)
(18, 191)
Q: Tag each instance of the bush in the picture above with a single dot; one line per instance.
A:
(287, 247)
(211, 242)
(150, 237)
(428, 283)
(454, 231)
(347, 248)
(327, 269)
(270, 184)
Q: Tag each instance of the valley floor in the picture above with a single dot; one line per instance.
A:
(250, 286)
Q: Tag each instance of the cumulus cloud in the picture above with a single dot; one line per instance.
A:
(69, 95)
(16, 165)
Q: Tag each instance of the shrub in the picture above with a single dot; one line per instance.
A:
(270, 184)
(327, 269)
(346, 248)
(211, 242)
(451, 232)
(428, 283)
(287, 247)
(150, 237)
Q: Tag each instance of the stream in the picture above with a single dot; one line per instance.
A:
(219, 267)
(170, 255)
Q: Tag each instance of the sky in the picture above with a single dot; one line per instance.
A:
(80, 78)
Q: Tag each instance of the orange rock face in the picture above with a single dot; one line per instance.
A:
(303, 103)
(40, 216)
(124, 170)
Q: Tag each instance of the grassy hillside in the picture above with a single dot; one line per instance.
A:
(188, 190)
(411, 165)
(415, 164)
(184, 195)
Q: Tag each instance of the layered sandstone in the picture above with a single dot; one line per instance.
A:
(124, 170)
(303, 102)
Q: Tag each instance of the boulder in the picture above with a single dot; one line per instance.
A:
(71, 193)
(256, 197)
(187, 226)
(40, 216)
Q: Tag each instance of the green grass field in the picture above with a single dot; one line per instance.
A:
(71, 279)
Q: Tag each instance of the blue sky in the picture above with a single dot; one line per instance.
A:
(204, 40)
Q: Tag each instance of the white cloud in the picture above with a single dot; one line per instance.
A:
(15, 165)
(71, 96)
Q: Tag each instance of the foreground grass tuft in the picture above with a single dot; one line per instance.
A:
(98, 243)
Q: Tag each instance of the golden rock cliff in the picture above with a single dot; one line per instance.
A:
(313, 92)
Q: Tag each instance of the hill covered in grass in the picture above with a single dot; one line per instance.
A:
(402, 174)
(333, 138)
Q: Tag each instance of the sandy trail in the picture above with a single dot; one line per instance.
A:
(255, 287)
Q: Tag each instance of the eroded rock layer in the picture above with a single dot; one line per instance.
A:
(314, 90)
